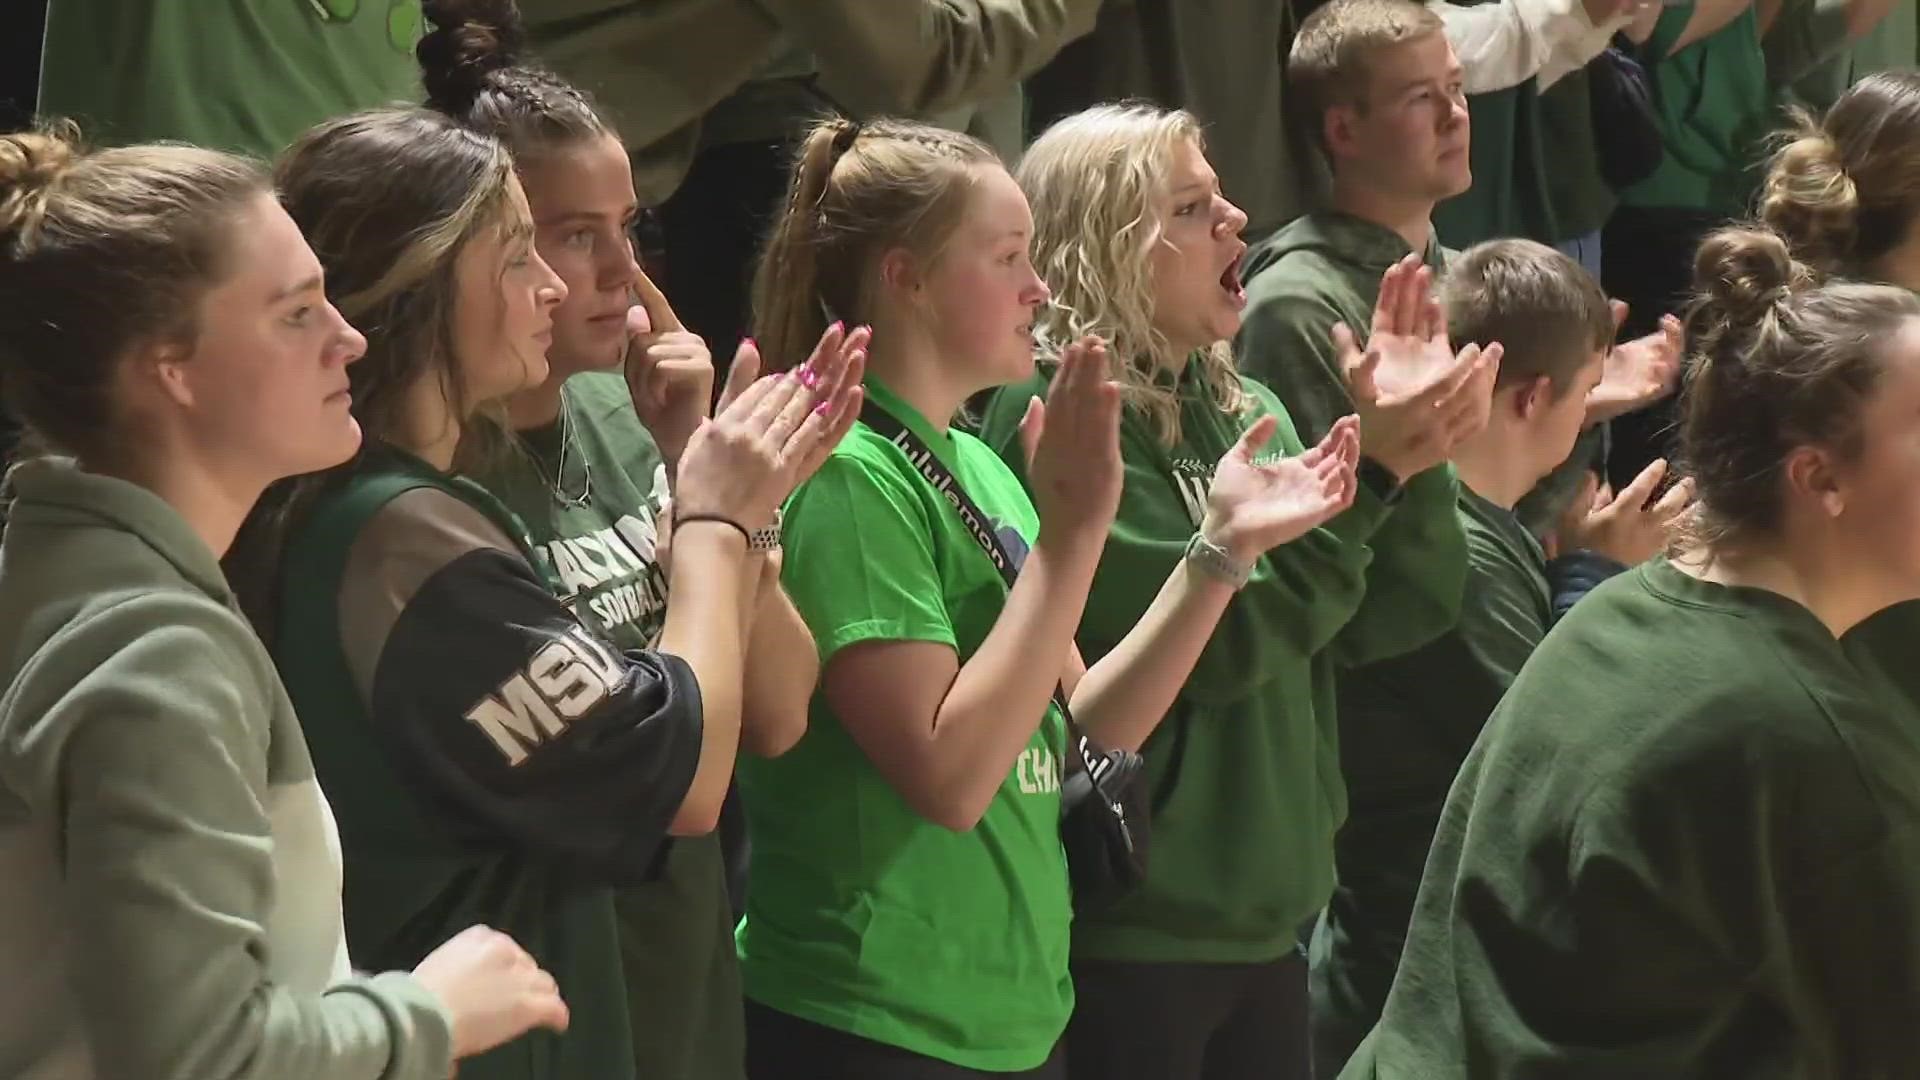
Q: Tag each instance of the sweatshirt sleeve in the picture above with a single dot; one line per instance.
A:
(914, 57)
(1298, 596)
(520, 726)
(159, 777)
(1418, 576)
(1503, 44)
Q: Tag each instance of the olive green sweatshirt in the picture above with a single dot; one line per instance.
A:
(1246, 765)
(1687, 844)
(1222, 60)
(171, 906)
(661, 68)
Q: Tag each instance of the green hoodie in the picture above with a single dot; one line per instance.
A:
(1246, 765)
(172, 900)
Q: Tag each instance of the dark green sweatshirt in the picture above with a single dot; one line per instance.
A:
(1644, 871)
(1402, 744)
(1247, 760)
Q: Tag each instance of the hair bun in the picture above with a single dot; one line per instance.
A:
(471, 39)
(30, 163)
(1809, 197)
(1744, 272)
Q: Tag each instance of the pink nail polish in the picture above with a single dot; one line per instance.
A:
(809, 378)
(823, 408)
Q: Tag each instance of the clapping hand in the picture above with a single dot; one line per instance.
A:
(1255, 506)
(1639, 372)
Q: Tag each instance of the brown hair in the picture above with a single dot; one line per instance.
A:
(1094, 180)
(1542, 307)
(1328, 64)
(472, 66)
(387, 199)
(858, 190)
(1846, 190)
(101, 253)
(1780, 361)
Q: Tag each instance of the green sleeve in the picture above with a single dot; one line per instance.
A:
(1502, 625)
(1418, 576)
(1806, 35)
(1286, 342)
(914, 57)
(169, 868)
(873, 581)
(1298, 597)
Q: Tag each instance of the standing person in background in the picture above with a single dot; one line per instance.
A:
(1198, 975)
(489, 754)
(1684, 844)
(172, 908)
(711, 96)
(910, 913)
(1820, 48)
(1401, 742)
(590, 475)
(241, 75)
(1845, 193)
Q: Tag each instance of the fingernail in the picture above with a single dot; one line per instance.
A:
(823, 408)
(838, 325)
(809, 378)
(750, 343)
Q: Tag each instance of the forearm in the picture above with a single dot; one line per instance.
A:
(1001, 693)
(703, 627)
(1502, 45)
(1124, 696)
(783, 666)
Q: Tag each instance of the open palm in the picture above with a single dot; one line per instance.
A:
(1407, 344)
(1639, 372)
(1255, 506)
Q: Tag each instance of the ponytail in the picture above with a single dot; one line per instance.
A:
(789, 311)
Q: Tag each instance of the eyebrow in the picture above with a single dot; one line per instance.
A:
(311, 284)
(1197, 185)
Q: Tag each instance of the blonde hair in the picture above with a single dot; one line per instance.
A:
(858, 191)
(1095, 180)
(1845, 190)
(100, 252)
(1328, 62)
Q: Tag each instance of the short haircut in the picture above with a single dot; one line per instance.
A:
(1328, 64)
(1547, 313)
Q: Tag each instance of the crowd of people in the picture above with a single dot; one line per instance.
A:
(809, 540)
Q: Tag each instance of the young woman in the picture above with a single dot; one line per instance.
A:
(172, 907)
(910, 907)
(1845, 193)
(600, 451)
(1199, 974)
(493, 755)
(1685, 843)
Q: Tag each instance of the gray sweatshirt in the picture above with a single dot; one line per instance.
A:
(171, 899)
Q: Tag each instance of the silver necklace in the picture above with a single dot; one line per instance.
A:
(557, 488)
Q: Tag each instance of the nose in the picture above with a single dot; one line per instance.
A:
(1234, 221)
(621, 267)
(349, 344)
(1035, 292)
(552, 291)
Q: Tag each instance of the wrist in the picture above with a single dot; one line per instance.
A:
(1219, 531)
(1386, 481)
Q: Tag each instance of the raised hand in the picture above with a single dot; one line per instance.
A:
(1628, 528)
(669, 371)
(844, 350)
(1072, 443)
(1255, 506)
(492, 989)
(1417, 398)
(745, 461)
(1640, 372)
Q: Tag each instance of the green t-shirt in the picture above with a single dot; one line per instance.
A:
(244, 77)
(864, 916)
(1715, 111)
(676, 932)
(1686, 844)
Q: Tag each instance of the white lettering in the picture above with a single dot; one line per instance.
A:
(573, 577)
(515, 719)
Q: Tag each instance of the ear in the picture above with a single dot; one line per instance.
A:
(1533, 397)
(1813, 476)
(900, 273)
(166, 367)
(1338, 130)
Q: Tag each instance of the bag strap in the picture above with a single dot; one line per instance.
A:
(979, 526)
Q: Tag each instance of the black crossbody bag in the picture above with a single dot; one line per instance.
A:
(1103, 812)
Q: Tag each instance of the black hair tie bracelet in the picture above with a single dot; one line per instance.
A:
(685, 519)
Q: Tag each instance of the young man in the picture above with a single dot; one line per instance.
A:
(1408, 725)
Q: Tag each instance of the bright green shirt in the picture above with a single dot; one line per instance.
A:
(864, 916)
(240, 75)
(1715, 111)
(676, 931)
